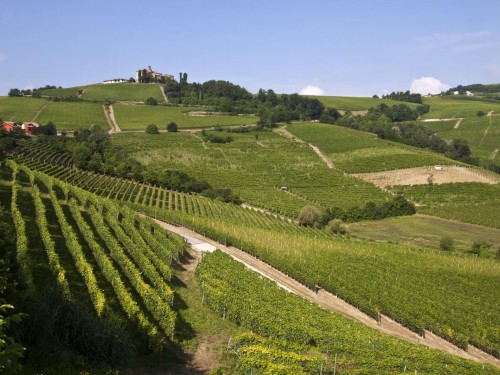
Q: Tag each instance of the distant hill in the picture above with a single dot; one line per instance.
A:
(492, 89)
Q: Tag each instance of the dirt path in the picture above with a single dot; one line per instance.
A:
(83, 91)
(284, 132)
(332, 302)
(457, 125)
(37, 113)
(490, 113)
(110, 118)
(494, 154)
(163, 93)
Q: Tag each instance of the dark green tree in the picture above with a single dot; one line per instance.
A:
(172, 127)
(152, 129)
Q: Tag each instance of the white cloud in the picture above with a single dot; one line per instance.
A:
(457, 42)
(428, 85)
(311, 90)
(451, 38)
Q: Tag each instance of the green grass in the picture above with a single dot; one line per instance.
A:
(137, 117)
(358, 152)
(124, 91)
(482, 133)
(19, 109)
(455, 106)
(425, 231)
(255, 169)
(347, 103)
(474, 203)
(63, 92)
(73, 115)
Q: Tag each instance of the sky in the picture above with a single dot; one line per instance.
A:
(336, 47)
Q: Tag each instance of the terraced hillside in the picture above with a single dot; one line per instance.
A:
(376, 277)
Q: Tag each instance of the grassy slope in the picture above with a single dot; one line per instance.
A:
(425, 231)
(358, 152)
(62, 93)
(124, 91)
(137, 117)
(255, 169)
(468, 202)
(455, 106)
(347, 103)
(19, 109)
(73, 116)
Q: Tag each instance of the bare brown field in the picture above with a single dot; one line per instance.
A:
(428, 175)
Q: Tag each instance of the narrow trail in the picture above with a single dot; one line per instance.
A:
(37, 113)
(332, 302)
(163, 93)
(494, 154)
(490, 113)
(110, 118)
(284, 132)
(458, 123)
(83, 91)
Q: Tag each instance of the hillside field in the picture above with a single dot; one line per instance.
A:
(348, 103)
(255, 169)
(137, 92)
(459, 106)
(137, 117)
(353, 151)
(73, 115)
(20, 109)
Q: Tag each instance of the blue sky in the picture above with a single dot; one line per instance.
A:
(355, 47)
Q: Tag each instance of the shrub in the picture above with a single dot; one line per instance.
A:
(172, 127)
(309, 216)
(337, 226)
(480, 248)
(151, 101)
(480, 113)
(446, 243)
(152, 129)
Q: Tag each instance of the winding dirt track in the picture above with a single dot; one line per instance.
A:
(332, 302)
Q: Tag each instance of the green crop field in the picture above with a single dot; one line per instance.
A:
(255, 169)
(348, 103)
(20, 109)
(124, 92)
(137, 117)
(426, 231)
(482, 133)
(73, 115)
(459, 106)
(62, 92)
(358, 152)
(260, 305)
(468, 202)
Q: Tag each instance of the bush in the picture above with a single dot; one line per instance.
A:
(337, 226)
(172, 127)
(446, 243)
(309, 216)
(480, 113)
(151, 101)
(480, 248)
(152, 129)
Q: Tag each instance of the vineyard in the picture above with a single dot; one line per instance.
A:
(124, 92)
(20, 109)
(137, 117)
(100, 254)
(357, 152)
(468, 202)
(255, 169)
(73, 116)
(292, 326)
(346, 103)
(376, 277)
(458, 106)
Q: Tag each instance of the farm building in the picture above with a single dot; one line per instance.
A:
(115, 80)
(149, 75)
(29, 128)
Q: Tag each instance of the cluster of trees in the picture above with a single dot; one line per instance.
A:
(216, 138)
(405, 96)
(29, 92)
(334, 216)
(286, 108)
(479, 248)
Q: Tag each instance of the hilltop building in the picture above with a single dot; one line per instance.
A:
(115, 80)
(148, 75)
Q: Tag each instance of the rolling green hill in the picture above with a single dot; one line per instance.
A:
(138, 92)
(348, 103)
(20, 109)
